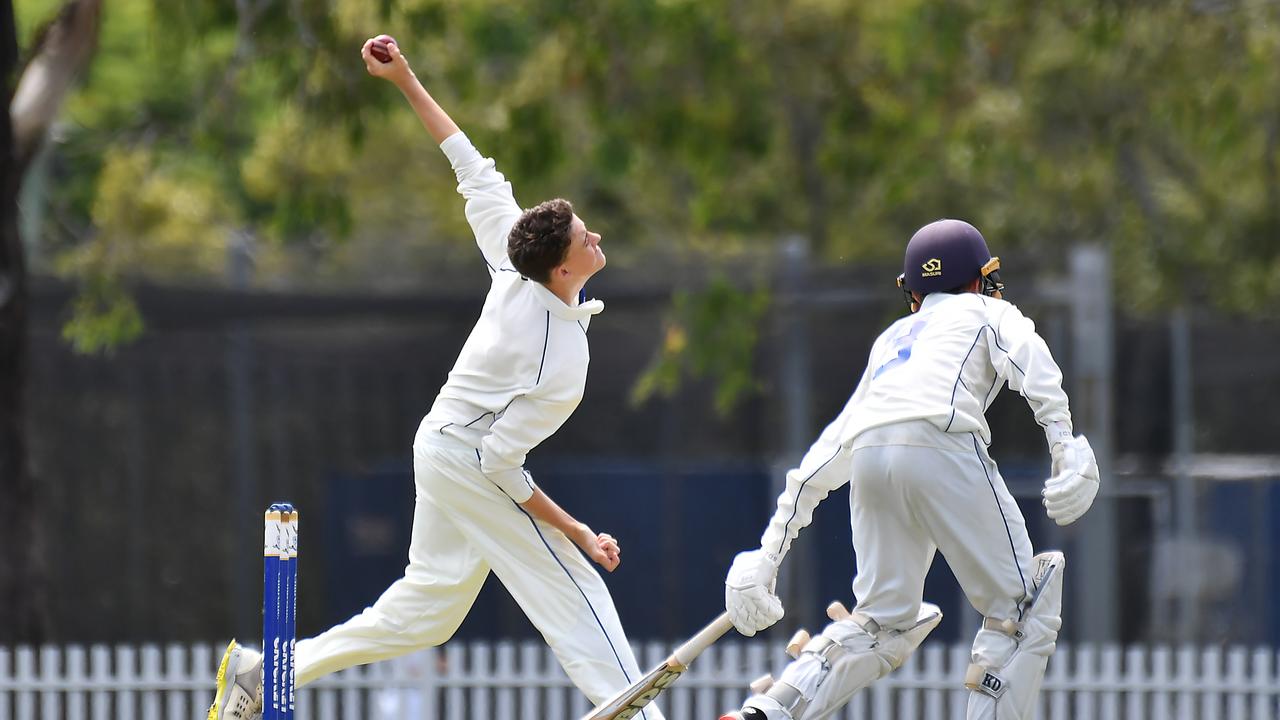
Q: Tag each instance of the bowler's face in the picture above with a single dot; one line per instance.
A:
(584, 257)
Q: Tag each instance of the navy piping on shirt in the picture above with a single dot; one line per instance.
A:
(545, 341)
(987, 398)
(473, 422)
(796, 509)
(995, 336)
(956, 384)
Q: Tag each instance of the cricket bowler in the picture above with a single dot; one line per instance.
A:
(519, 376)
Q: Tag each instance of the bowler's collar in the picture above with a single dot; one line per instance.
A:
(557, 307)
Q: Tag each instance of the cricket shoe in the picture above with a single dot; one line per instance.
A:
(239, 685)
(744, 714)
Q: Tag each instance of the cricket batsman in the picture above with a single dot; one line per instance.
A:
(519, 376)
(912, 442)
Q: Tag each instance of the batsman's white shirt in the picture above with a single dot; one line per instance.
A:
(945, 364)
(519, 376)
(929, 380)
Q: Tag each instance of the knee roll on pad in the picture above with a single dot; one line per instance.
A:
(848, 656)
(1009, 659)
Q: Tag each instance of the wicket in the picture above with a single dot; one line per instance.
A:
(279, 611)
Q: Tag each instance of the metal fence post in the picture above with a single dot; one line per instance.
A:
(1185, 490)
(796, 586)
(1095, 606)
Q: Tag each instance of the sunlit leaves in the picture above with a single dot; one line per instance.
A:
(103, 316)
(148, 214)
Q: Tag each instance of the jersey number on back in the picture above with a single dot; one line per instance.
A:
(901, 348)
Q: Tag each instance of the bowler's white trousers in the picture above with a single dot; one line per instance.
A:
(463, 527)
(917, 490)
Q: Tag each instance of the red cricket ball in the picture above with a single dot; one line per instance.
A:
(380, 49)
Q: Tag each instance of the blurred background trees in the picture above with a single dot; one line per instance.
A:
(684, 131)
(219, 142)
(692, 128)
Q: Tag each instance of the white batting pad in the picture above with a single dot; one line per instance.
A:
(845, 658)
(1008, 668)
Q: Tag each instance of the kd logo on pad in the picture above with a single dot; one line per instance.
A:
(933, 268)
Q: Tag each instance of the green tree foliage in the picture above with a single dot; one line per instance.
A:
(726, 322)
(703, 128)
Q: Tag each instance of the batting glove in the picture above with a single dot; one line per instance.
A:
(748, 592)
(1071, 490)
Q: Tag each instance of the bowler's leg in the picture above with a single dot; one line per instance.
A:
(562, 594)
(422, 609)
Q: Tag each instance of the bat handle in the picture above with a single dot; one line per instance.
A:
(685, 654)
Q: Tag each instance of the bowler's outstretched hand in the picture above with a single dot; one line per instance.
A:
(396, 71)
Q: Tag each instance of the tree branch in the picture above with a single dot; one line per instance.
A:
(248, 13)
(61, 52)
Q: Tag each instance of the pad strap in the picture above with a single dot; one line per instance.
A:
(789, 697)
(980, 679)
(1012, 628)
(866, 623)
(827, 650)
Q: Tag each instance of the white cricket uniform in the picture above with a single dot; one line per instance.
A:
(914, 439)
(519, 376)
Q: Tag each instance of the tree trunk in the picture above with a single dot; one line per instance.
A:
(58, 56)
(23, 576)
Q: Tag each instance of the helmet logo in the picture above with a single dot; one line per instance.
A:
(933, 268)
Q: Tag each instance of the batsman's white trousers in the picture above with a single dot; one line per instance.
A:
(917, 490)
(463, 527)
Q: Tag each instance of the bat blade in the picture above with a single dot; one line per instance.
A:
(632, 699)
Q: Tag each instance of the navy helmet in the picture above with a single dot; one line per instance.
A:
(945, 255)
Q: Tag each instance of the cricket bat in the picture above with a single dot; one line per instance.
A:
(629, 702)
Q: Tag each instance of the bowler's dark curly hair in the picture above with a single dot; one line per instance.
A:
(539, 241)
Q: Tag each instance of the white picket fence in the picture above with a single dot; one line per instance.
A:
(505, 681)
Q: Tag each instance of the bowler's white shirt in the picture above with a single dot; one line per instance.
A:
(523, 369)
(942, 365)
